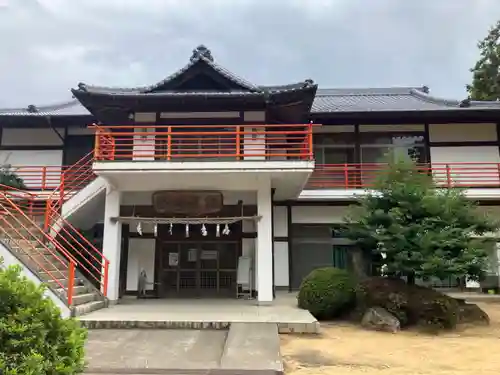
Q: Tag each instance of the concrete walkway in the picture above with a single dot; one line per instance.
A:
(202, 314)
(252, 349)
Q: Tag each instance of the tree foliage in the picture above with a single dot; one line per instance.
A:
(486, 72)
(421, 231)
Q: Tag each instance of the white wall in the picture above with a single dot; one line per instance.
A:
(281, 270)
(462, 132)
(31, 137)
(9, 259)
(141, 254)
(472, 171)
(34, 158)
(318, 214)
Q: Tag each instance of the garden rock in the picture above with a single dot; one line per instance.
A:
(379, 319)
(470, 313)
(410, 304)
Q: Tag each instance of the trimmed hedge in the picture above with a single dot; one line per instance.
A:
(327, 292)
(34, 339)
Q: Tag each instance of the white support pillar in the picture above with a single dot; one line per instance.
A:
(112, 239)
(264, 248)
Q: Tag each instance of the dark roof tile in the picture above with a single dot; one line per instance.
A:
(388, 99)
(67, 108)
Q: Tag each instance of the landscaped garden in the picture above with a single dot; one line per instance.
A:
(376, 318)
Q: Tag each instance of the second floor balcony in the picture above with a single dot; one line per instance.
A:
(204, 143)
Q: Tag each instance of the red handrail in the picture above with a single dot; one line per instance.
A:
(73, 239)
(359, 176)
(73, 179)
(15, 219)
(232, 142)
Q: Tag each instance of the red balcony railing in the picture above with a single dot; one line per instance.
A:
(204, 142)
(38, 177)
(362, 176)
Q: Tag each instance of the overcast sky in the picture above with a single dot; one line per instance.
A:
(48, 46)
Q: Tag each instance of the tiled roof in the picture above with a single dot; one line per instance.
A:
(200, 54)
(67, 108)
(388, 99)
(326, 101)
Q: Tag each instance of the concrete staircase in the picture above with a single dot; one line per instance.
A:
(244, 349)
(26, 241)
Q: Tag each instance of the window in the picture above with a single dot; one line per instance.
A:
(375, 146)
(334, 148)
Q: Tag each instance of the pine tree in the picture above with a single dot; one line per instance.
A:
(486, 72)
(419, 231)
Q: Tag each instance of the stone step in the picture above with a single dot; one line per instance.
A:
(252, 346)
(81, 299)
(77, 290)
(88, 307)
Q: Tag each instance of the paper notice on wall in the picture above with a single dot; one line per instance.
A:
(209, 255)
(173, 259)
(192, 255)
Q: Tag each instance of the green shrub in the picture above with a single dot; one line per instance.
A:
(327, 292)
(34, 339)
(411, 304)
(10, 178)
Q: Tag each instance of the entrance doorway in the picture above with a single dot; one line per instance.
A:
(198, 268)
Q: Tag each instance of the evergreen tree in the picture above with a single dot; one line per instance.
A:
(486, 73)
(419, 231)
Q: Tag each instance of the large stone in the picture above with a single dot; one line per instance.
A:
(379, 319)
(470, 313)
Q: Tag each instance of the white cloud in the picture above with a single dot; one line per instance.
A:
(54, 44)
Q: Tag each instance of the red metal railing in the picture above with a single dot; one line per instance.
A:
(34, 245)
(39, 177)
(90, 260)
(359, 176)
(44, 212)
(73, 179)
(204, 142)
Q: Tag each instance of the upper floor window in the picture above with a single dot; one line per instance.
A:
(375, 146)
(334, 148)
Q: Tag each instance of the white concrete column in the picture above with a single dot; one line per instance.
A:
(112, 239)
(264, 248)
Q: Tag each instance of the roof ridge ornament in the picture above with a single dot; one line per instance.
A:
(201, 51)
(32, 108)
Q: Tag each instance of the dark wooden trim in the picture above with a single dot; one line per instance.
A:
(144, 235)
(158, 269)
(1, 134)
(463, 144)
(357, 144)
(273, 190)
(498, 136)
(31, 148)
(123, 271)
(290, 253)
(330, 203)
(427, 142)
(65, 145)
(281, 239)
(249, 235)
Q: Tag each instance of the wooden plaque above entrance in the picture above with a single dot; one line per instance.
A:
(188, 203)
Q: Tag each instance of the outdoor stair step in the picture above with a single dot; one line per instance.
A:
(81, 299)
(252, 346)
(53, 284)
(88, 307)
(77, 290)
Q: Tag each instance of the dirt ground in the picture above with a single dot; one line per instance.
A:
(347, 349)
